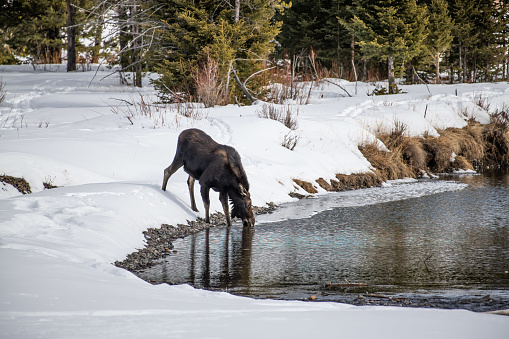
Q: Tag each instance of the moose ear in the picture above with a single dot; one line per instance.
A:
(243, 191)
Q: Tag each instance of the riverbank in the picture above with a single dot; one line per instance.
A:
(475, 147)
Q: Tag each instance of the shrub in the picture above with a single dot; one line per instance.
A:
(284, 115)
(290, 141)
(209, 88)
(166, 115)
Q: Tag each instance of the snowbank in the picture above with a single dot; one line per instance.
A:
(57, 246)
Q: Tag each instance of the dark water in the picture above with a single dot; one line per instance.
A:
(436, 243)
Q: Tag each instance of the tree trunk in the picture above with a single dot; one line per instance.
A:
(390, 73)
(461, 76)
(71, 38)
(507, 70)
(437, 68)
(364, 70)
(136, 60)
(236, 14)
(241, 85)
(352, 57)
(123, 38)
(97, 41)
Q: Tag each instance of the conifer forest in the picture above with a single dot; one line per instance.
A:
(227, 51)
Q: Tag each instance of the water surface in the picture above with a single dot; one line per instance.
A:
(441, 243)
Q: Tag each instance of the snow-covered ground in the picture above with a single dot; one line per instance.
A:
(57, 246)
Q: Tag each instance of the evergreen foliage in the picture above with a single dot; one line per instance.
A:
(479, 50)
(314, 25)
(34, 29)
(439, 38)
(196, 32)
(392, 31)
(211, 49)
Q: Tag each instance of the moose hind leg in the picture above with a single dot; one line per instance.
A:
(223, 197)
(206, 202)
(170, 170)
(190, 184)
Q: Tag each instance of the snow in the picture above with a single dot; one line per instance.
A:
(57, 246)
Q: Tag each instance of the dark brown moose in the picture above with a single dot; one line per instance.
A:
(214, 166)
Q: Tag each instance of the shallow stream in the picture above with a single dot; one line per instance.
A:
(427, 243)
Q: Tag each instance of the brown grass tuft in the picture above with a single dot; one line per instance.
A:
(306, 186)
(463, 143)
(460, 162)
(284, 115)
(324, 184)
(353, 181)
(345, 182)
(388, 165)
(439, 154)
(496, 138)
(19, 183)
(414, 155)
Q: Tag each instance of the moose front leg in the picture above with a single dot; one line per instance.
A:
(206, 202)
(223, 197)
(190, 184)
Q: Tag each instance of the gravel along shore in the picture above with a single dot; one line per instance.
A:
(159, 240)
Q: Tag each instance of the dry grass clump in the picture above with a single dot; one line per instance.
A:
(465, 142)
(387, 165)
(350, 182)
(414, 154)
(496, 139)
(290, 140)
(454, 149)
(209, 88)
(159, 113)
(19, 183)
(342, 182)
(460, 162)
(404, 158)
(355, 181)
(306, 186)
(324, 184)
(439, 152)
(284, 115)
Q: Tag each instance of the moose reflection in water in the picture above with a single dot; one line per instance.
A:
(225, 264)
(234, 270)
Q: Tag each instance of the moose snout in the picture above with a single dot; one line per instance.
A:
(248, 222)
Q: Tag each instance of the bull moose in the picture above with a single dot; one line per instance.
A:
(215, 166)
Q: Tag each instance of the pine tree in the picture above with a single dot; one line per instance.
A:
(489, 50)
(314, 25)
(480, 32)
(391, 31)
(34, 29)
(439, 31)
(211, 31)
